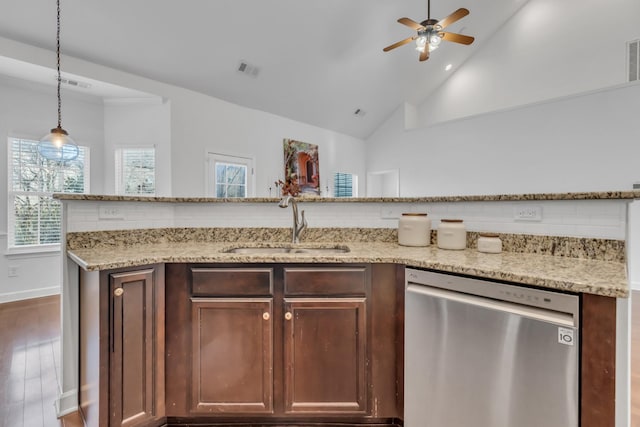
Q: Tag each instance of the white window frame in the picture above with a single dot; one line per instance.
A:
(214, 158)
(11, 194)
(119, 170)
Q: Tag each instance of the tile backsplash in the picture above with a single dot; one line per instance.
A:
(604, 219)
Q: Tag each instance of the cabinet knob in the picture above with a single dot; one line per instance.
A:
(118, 292)
(265, 316)
(288, 315)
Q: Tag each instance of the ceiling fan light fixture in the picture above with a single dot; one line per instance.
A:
(434, 39)
(429, 32)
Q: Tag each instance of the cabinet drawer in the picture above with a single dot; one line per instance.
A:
(231, 281)
(325, 281)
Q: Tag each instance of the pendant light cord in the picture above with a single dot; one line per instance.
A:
(428, 14)
(58, 63)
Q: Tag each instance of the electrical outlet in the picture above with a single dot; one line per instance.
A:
(390, 212)
(528, 213)
(14, 271)
(110, 212)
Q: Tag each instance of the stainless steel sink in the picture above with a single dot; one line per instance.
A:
(289, 250)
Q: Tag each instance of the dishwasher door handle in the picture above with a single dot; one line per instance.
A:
(563, 319)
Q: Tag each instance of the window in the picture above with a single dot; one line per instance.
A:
(345, 185)
(34, 216)
(136, 171)
(229, 176)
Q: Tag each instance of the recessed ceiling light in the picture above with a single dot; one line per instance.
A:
(448, 67)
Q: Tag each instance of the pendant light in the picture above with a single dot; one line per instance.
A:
(57, 145)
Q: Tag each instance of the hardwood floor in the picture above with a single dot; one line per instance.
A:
(30, 355)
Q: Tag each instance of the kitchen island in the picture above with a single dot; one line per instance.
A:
(170, 260)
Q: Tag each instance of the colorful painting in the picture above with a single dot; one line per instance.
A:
(301, 169)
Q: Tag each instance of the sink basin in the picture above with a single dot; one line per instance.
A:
(288, 250)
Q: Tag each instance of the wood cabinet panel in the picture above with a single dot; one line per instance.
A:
(224, 281)
(598, 378)
(137, 354)
(325, 355)
(232, 354)
(325, 281)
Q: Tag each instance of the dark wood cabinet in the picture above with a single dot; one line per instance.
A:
(232, 355)
(122, 347)
(281, 343)
(325, 355)
(137, 354)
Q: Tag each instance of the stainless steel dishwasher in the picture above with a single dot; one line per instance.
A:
(487, 354)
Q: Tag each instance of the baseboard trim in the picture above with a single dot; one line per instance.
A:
(67, 403)
(28, 294)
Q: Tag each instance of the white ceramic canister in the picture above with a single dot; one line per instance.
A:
(452, 234)
(489, 243)
(414, 229)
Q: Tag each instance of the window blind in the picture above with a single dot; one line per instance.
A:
(136, 171)
(34, 216)
(343, 184)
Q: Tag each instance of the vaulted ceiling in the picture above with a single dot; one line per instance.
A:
(318, 61)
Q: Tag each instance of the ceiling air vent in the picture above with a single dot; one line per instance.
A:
(633, 49)
(74, 83)
(248, 69)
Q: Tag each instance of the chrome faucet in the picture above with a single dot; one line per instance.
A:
(299, 224)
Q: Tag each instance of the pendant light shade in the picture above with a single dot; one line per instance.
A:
(58, 145)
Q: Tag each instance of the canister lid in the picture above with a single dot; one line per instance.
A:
(414, 214)
(488, 234)
(451, 220)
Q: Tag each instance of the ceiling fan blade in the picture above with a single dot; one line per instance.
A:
(457, 38)
(424, 55)
(410, 23)
(398, 44)
(458, 14)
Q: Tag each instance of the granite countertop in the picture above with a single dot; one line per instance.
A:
(595, 195)
(598, 277)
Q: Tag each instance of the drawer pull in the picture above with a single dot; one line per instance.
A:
(288, 315)
(266, 316)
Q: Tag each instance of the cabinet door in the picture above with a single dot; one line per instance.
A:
(325, 355)
(136, 376)
(232, 355)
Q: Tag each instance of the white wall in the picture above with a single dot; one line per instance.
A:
(30, 111)
(582, 143)
(201, 123)
(136, 123)
(548, 49)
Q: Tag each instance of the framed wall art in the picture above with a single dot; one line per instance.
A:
(301, 169)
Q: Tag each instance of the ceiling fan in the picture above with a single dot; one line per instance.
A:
(430, 32)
